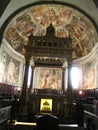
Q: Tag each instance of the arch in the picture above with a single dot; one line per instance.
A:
(7, 21)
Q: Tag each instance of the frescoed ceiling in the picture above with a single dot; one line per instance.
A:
(66, 20)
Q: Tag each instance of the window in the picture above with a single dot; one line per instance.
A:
(75, 77)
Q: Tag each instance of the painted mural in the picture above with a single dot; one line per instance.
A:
(47, 78)
(9, 70)
(66, 21)
(89, 75)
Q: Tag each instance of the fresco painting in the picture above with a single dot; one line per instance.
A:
(66, 21)
(10, 70)
(47, 78)
(89, 79)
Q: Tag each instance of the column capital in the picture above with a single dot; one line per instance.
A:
(27, 59)
(32, 67)
(69, 59)
(64, 68)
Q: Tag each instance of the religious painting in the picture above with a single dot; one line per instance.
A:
(89, 78)
(66, 20)
(47, 78)
(14, 39)
(10, 71)
(24, 24)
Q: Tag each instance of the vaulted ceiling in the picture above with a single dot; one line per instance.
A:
(67, 20)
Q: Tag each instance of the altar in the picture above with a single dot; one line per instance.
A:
(47, 104)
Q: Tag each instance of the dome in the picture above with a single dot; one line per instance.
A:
(66, 19)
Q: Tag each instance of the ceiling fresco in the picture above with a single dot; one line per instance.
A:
(66, 21)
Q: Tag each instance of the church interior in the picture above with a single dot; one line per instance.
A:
(48, 61)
